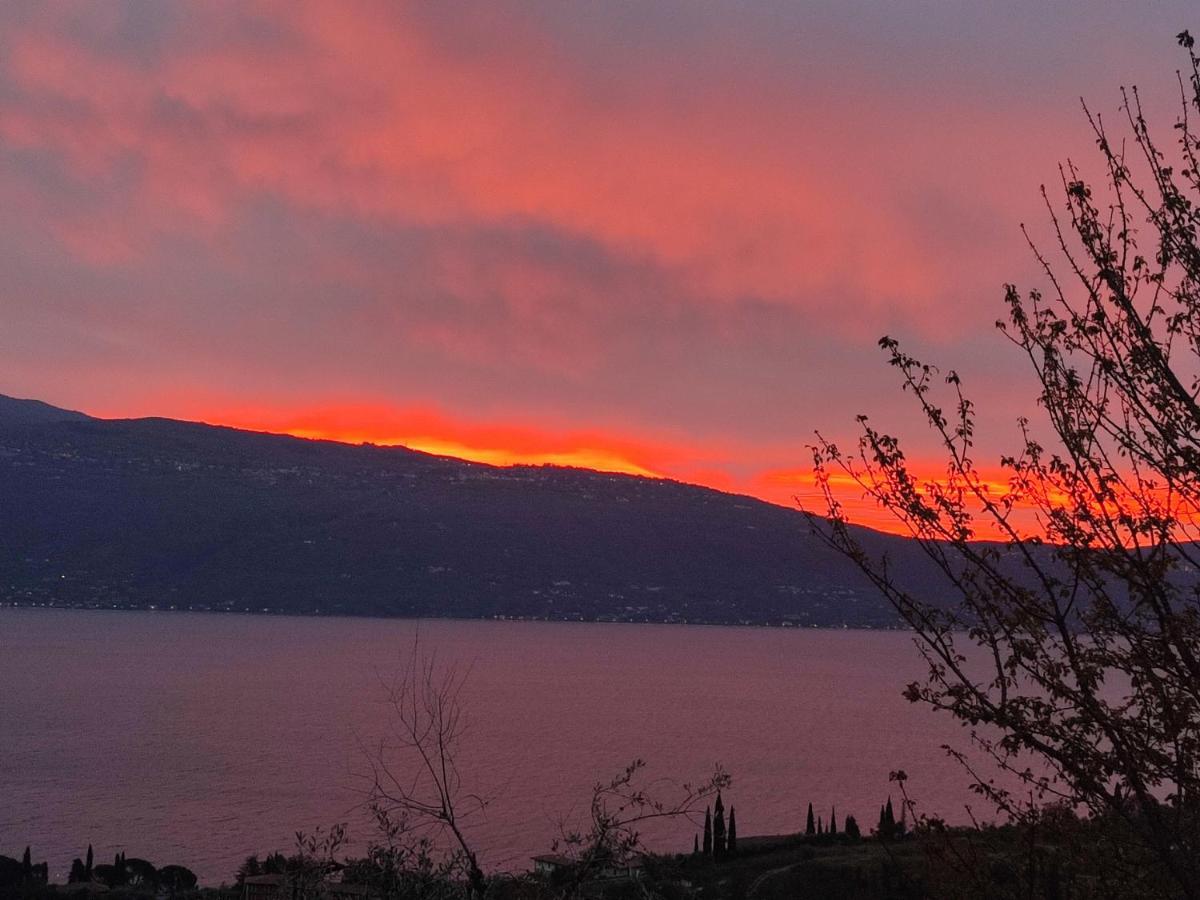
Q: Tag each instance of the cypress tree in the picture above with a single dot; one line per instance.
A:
(718, 828)
(27, 865)
(695, 845)
(833, 820)
(820, 826)
(78, 872)
(707, 832)
(87, 867)
(811, 827)
(887, 820)
(731, 838)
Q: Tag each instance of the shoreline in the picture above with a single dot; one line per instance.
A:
(267, 612)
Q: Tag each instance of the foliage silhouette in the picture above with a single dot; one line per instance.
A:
(1086, 617)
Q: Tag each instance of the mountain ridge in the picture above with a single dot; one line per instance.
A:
(157, 512)
(18, 410)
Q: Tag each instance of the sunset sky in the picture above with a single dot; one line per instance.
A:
(654, 237)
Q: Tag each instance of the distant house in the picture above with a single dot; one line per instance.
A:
(633, 867)
(552, 864)
(261, 887)
(271, 887)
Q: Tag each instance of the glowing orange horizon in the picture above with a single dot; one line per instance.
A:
(517, 444)
(581, 457)
(732, 468)
(498, 444)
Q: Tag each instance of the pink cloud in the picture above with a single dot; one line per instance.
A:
(684, 225)
(734, 189)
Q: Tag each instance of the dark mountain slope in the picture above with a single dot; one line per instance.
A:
(14, 411)
(158, 512)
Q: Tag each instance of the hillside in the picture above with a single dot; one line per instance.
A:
(156, 512)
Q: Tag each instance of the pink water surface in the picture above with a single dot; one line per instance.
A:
(201, 738)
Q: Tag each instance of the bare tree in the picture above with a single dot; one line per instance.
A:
(619, 809)
(1089, 619)
(422, 809)
(403, 861)
(416, 789)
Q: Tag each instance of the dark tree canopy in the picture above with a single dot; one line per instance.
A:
(850, 828)
(177, 878)
(78, 871)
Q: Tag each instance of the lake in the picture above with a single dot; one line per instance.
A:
(201, 738)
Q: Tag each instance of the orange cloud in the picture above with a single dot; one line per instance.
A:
(488, 442)
(800, 486)
(1026, 516)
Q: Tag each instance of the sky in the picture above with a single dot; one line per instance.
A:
(653, 237)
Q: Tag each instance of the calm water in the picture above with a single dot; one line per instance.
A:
(199, 739)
